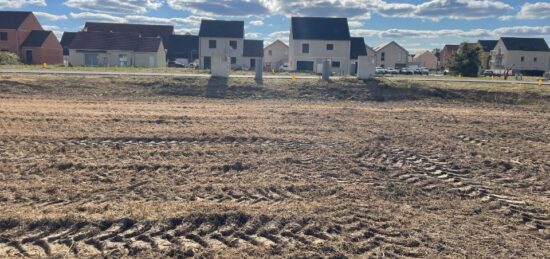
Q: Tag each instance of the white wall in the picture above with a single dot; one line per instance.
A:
(279, 55)
(318, 53)
(222, 49)
(394, 54)
(510, 58)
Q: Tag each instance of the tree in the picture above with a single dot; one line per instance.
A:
(437, 52)
(466, 60)
(8, 58)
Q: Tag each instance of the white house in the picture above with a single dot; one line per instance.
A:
(314, 40)
(275, 55)
(392, 55)
(523, 54)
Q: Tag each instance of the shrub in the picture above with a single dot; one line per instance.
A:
(8, 58)
(466, 60)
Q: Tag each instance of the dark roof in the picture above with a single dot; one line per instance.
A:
(253, 48)
(114, 41)
(36, 38)
(525, 44)
(451, 47)
(358, 47)
(221, 29)
(145, 30)
(12, 20)
(488, 45)
(67, 38)
(183, 46)
(318, 28)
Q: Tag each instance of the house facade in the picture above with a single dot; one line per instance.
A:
(22, 34)
(222, 39)
(446, 53)
(275, 55)
(523, 54)
(313, 40)
(253, 52)
(425, 59)
(358, 48)
(486, 47)
(391, 55)
(116, 49)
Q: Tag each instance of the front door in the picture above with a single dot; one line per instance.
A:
(252, 63)
(207, 62)
(29, 56)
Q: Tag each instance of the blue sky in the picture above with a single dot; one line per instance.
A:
(416, 24)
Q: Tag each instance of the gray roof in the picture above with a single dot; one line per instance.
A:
(525, 44)
(12, 20)
(358, 47)
(253, 48)
(488, 45)
(221, 29)
(183, 46)
(320, 28)
(36, 38)
(115, 41)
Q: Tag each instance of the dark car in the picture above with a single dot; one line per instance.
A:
(175, 64)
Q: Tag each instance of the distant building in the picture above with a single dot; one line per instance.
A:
(221, 38)
(22, 34)
(183, 48)
(275, 55)
(529, 55)
(358, 48)
(446, 53)
(66, 40)
(313, 40)
(116, 49)
(425, 59)
(391, 55)
(486, 47)
(253, 51)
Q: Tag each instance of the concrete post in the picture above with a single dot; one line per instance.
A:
(326, 70)
(259, 69)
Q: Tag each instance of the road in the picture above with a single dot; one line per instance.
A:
(266, 76)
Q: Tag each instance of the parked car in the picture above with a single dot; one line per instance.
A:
(284, 67)
(175, 64)
(392, 71)
(406, 71)
(489, 72)
(380, 70)
(446, 72)
(422, 71)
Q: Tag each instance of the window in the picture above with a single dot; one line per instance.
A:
(522, 59)
(233, 44)
(330, 46)
(305, 48)
(270, 52)
(535, 59)
(123, 60)
(233, 60)
(212, 44)
(335, 64)
(3, 36)
(383, 56)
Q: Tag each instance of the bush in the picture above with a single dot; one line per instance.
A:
(8, 58)
(466, 60)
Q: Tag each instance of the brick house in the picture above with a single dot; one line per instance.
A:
(447, 51)
(21, 33)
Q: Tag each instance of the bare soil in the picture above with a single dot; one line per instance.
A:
(148, 167)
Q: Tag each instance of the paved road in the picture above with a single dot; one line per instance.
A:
(266, 76)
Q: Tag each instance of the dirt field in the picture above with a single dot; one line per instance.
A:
(148, 167)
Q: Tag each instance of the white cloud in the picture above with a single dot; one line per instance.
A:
(20, 3)
(475, 34)
(539, 10)
(55, 29)
(183, 31)
(523, 31)
(115, 6)
(220, 7)
(191, 20)
(49, 16)
(257, 23)
(97, 17)
(355, 23)
(451, 9)
(254, 36)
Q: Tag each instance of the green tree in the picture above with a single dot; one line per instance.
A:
(466, 60)
(437, 52)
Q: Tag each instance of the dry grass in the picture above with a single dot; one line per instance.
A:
(149, 167)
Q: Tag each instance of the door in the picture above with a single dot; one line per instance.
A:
(29, 56)
(252, 63)
(207, 62)
(304, 66)
(151, 61)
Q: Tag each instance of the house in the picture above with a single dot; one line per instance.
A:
(22, 34)
(391, 55)
(313, 40)
(425, 59)
(66, 40)
(184, 49)
(222, 38)
(358, 48)
(486, 47)
(275, 55)
(528, 55)
(253, 50)
(116, 49)
(446, 53)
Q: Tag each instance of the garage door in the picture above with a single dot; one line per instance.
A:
(304, 66)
